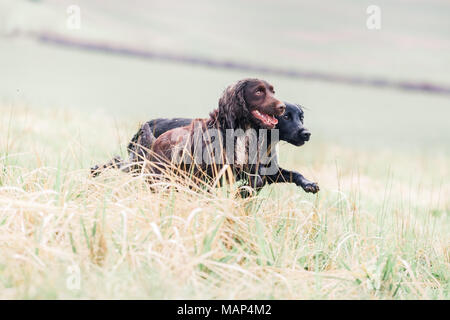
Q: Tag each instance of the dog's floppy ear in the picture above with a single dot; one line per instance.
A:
(302, 109)
(232, 105)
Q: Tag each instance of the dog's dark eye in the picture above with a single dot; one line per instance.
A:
(287, 116)
(259, 90)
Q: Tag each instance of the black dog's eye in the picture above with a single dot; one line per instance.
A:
(287, 116)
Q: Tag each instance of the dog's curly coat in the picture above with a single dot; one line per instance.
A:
(248, 104)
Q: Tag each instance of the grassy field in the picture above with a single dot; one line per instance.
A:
(377, 230)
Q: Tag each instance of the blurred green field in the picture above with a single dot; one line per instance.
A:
(413, 45)
(377, 230)
(142, 90)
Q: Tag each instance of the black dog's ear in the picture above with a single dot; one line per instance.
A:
(302, 108)
(232, 105)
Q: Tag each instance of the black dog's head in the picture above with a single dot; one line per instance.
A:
(290, 125)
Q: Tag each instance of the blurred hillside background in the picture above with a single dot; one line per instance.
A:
(326, 37)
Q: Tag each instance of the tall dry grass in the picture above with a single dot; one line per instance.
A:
(377, 230)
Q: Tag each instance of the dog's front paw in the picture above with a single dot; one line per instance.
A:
(311, 187)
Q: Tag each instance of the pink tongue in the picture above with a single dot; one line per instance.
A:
(274, 120)
(271, 120)
(267, 119)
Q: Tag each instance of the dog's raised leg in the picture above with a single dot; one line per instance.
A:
(286, 176)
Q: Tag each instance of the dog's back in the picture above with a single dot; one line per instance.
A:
(159, 126)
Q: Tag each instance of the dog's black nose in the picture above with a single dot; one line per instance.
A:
(305, 135)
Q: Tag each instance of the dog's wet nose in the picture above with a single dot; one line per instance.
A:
(305, 135)
(280, 108)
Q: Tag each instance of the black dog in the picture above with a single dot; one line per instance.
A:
(290, 126)
(291, 130)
